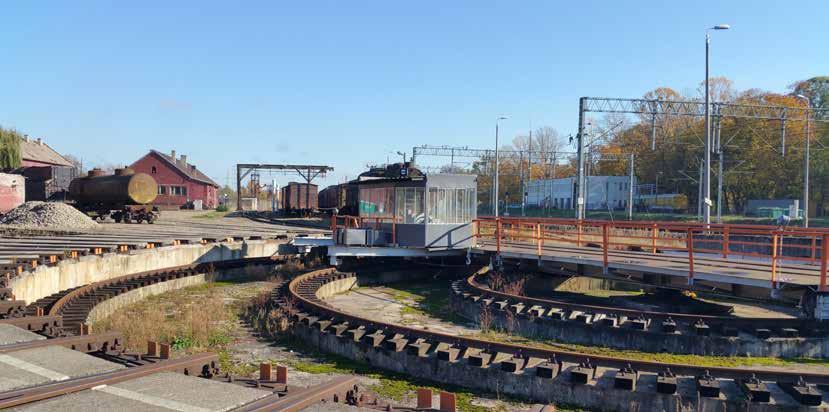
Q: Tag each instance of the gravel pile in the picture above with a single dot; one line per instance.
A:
(48, 215)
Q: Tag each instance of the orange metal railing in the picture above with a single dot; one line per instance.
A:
(768, 243)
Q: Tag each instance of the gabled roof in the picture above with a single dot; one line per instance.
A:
(185, 168)
(38, 151)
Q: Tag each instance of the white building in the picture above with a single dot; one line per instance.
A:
(603, 192)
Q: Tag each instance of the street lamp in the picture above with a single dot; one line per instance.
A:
(707, 175)
(496, 162)
(806, 165)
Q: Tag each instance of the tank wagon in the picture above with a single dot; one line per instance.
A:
(298, 197)
(125, 196)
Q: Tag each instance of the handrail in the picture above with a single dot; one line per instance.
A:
(775, 245)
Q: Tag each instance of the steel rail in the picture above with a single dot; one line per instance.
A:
(315, 305)
(62, 305)
(710, 320)
(203, 364)
(83, 343)
(35, 323)
(296, 401)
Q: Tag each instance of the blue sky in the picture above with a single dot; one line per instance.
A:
(346, 83)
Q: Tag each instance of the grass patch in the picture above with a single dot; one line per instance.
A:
(699, 360)
(194, 319)
(213, 214)
(607, 293)
(424, 299)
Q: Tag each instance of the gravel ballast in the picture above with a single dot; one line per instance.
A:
(48, 215)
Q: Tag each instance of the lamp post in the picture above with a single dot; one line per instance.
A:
(806, 164)
(707, 175)
(497, 120)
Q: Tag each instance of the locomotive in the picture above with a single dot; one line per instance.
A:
(125, 196)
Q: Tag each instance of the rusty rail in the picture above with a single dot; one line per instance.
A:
(302, 398)
(203, 365)
(303, 291)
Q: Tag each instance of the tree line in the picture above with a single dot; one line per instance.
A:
(754, 162)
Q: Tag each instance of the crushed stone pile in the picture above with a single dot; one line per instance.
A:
(48, 215)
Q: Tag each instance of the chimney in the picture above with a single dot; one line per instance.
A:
(184, 160)
(173, 155)
(25, 138)
(40, 141)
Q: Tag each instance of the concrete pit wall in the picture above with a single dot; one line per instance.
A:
(67, 274)
(572, 331)
(106, 308)
(598, 394)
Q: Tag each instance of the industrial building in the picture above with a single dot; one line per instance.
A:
(603, 193)
(47, 173)
(180, 184)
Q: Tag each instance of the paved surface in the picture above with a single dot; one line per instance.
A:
(10, 334)
(706, 266)
(37, 366)
(164, 391)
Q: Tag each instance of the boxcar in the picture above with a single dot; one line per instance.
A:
(295, 197)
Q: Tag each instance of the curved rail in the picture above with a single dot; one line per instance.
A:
(76, 305)
(303, 290)
(723, 323)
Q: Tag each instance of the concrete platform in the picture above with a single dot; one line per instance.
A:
(37, 366)
(164, 391)
(10, 334)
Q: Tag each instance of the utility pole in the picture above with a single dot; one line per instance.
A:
(630, 187)
(699, 196)
(708, 147)
(720, 176)
(579, 192)
(496, 163)
(707, 175)
(806, 164)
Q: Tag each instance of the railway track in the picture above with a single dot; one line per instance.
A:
(62, 322)
(541, 374)
(640, 329)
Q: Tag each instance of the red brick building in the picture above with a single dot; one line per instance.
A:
(178, 181)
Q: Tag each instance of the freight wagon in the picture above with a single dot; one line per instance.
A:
(123, 196)
(298, 197)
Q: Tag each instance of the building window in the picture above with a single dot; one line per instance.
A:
(178, 190)
(162, 190)
(154, 171)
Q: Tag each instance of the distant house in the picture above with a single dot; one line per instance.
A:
(47, 172)
(37, 153)
(178, 181)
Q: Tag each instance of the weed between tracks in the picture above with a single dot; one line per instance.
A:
(213, 214)
(390, 385)
(700, 360)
